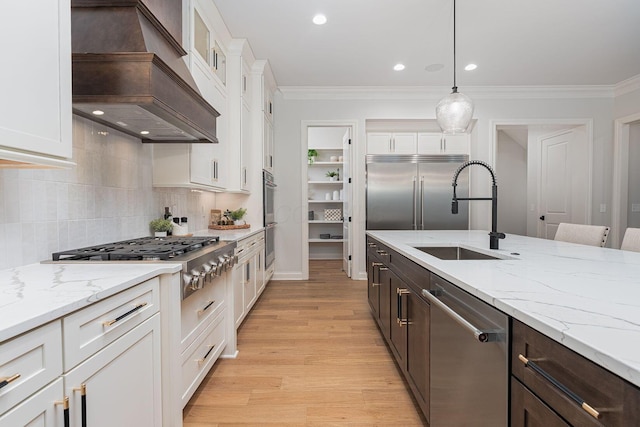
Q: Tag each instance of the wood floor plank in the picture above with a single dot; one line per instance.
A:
(310, 354)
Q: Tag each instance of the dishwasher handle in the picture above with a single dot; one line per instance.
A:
(480, 335)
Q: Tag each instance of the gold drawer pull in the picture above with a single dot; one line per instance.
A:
(584, 405)
(211, 347)
(122, 316)
(65, 409)
(6, 380)
(206, 307)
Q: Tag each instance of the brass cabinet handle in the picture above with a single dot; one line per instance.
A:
(6, 380)
(584, 405)
(206, 307)
(65, 409)
(400, 320)
(122, 316)
(211, 347)
(83, 402)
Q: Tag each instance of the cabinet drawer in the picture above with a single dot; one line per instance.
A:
(36, 356)
(198, 310)
(616, 400)
(529, 411)
(201, 355)
(40, 409)
(92, 328)
(249, 243)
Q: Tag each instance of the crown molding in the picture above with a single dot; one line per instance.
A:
(435, 93)
(627, 86)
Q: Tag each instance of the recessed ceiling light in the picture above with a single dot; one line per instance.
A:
(144, 132)
(434, 67)
(398, 67)
(97, 112)
(319, 19)
(470, 67)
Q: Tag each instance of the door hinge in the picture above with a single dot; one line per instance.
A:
(349, 141)
(349, 219)
(349, 180)
(349, 257)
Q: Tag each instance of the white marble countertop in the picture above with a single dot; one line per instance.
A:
(35, 294)
(587, 298)
(230, 235)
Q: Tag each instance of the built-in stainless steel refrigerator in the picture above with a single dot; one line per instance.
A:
(414, 192)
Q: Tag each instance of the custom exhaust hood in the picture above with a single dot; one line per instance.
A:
(128, 71)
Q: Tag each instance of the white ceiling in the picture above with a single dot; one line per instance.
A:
(514, 42)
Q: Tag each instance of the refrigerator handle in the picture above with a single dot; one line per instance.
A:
(422, 203)
(415, 225)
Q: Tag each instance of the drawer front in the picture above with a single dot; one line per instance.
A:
(529, 411)
(91, 329)
(198, 310)
(36, 356)
(39, 410)
(607, 393)
(201, 355)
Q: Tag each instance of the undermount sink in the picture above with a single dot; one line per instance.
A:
(456, 253)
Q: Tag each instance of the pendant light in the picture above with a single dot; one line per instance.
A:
(454, 111)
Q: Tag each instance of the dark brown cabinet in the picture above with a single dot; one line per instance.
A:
(403, 318)
(571, 387)
(529, 411)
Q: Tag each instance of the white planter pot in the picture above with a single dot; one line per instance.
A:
(160, 234)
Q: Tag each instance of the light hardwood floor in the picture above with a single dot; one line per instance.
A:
(310, 354)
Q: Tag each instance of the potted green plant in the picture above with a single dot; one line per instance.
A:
(333, 175)
(238, 214)
(161, 226)
(312, 155)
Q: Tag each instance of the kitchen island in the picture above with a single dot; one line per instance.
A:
(539, 331)
(586, 298)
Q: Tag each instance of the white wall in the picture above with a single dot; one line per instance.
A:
(107, 197)
(292, 111)
(511, 166)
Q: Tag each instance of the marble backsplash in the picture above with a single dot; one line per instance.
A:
(107, 197)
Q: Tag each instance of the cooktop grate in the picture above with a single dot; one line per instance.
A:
(143, 248)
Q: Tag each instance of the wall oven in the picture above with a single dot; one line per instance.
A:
(268, 187)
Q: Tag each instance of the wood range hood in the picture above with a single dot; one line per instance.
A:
(127, 64)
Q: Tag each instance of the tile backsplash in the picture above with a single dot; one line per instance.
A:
(108, 196)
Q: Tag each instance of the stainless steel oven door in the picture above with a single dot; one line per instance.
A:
(270, 254)
(268, 192)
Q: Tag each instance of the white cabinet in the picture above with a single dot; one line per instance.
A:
(437, 143)
(267, 89)
(113, 349)
(204, 335)
(240, 86)
(31, 361)
(200, 166)
(106, 355)
(121, 382)
(43, 409)
(391, 143)
(35, 106)
(248, 275)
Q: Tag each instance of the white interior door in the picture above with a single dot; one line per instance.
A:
(564, 180)
(346, 202)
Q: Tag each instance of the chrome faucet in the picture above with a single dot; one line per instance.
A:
(494, 236)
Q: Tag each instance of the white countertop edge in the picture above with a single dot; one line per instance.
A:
(230, 235)
(626, 369)
(32, 322)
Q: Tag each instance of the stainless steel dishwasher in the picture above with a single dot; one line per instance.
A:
(469, 359)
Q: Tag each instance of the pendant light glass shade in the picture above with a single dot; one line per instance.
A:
(454, 113)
